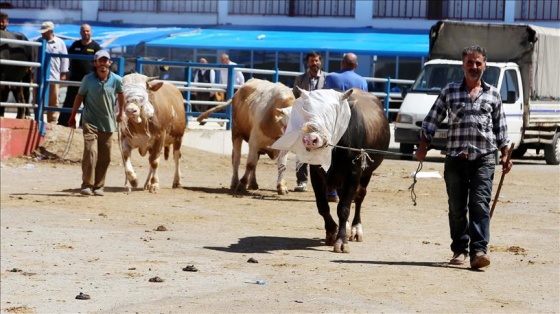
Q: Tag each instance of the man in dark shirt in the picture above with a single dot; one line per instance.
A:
(78, 67)
(203, 75)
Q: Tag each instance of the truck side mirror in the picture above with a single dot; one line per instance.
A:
(511, 97)
(404, 91)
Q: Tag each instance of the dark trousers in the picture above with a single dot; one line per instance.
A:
(71, 92)
(301, 173)
(469, 190)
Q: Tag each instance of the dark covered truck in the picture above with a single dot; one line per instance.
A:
(523, 63)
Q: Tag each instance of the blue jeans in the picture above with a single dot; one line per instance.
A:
(469, 189)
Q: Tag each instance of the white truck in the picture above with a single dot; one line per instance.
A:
(523, 63)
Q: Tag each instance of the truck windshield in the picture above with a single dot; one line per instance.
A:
(435, 76)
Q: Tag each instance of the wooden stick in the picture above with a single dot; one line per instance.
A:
(501, 182)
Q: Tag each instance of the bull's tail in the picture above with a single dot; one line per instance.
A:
(206, 113)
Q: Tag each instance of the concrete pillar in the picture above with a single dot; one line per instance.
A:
(90, 10)
(509, 10)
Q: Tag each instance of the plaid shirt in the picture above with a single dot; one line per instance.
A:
(475, 127)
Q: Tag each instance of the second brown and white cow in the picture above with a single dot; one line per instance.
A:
(154, 120)
(260, 112)
(343, 136)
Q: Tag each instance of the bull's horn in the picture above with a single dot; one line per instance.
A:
(151, 78)
(347, 94)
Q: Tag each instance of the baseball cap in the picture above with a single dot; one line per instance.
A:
(102, 54)
(46, 26)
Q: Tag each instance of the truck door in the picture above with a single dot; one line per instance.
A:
(512, 101)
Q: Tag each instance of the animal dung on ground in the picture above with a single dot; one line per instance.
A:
(161, 228)
(83, 296)
(252, 260)
(190, 268)
(156, 279)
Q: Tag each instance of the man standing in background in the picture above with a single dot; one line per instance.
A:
(79, 67)
(346, 78)
(239, 78)
(203, 75)
(312, 79)
(58, 66)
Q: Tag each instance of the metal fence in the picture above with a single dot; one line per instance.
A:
(186, 87)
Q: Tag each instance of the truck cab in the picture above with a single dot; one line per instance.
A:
(426, 88)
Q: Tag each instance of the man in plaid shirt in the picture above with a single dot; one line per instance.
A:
(477, 128)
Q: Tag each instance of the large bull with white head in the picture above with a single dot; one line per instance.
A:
(342, 136)
(154, 120)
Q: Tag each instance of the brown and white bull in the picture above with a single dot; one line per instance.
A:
(154, 119)
(260, 113)
(342, 136)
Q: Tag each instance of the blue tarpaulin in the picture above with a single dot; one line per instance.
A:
(358, 41)
(382, 44)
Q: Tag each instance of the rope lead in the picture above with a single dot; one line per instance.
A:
(411, 187)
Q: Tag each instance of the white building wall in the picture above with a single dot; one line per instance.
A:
(363, 18)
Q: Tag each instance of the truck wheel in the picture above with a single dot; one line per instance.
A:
(519, 152)
(406, 149)
(552, 152)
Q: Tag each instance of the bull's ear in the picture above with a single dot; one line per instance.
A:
(284, 115)
(347, 94)
(153, 86)
(285, 111)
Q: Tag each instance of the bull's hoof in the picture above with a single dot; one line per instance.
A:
(152, 188)
(176, 185)
(239, 189)
(330, 239)
(253, 187)
(341, 246)
(133, 183)
(282, 190)
(357, 233)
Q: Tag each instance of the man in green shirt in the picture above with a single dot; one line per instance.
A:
(99, 92)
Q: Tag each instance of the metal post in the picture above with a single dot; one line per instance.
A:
(139, 65)
(387, 97)
(40, 80)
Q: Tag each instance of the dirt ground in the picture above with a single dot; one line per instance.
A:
(56, 244)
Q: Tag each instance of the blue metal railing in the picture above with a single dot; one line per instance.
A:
(187, 86)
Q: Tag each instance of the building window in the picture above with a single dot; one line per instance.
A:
(440, 9)
(309, 8)
(400, 8)
(160, 6)
(44, 4)
(537, 10)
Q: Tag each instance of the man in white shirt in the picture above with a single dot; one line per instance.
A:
(239, 79)
(59, 66)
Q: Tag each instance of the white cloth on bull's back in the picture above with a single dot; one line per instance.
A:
(326, 111)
